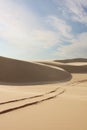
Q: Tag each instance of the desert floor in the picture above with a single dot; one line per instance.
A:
(53, 106)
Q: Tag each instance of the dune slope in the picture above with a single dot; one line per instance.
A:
(72, 60)
(20, 72)
(70, 68)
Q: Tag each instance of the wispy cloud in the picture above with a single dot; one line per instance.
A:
(21, 28)
(27, 32)
(60, 26)
(76, 10)
(77, 48)
(16, 23)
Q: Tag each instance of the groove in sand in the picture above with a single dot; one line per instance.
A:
(32, 103)
(22, 99)
(78, 82)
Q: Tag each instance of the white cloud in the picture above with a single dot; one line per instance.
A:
(77, 10)
(21, 28)
(47, 38)
(16, 23)
(61, 26)
(77, 48)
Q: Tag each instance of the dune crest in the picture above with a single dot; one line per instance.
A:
(69, 67)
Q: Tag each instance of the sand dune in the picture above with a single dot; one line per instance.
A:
(69, 67)
(72, 60)
(20, 72)
(77, 63)
(48, 104)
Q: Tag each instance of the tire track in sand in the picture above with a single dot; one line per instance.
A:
(34, 102)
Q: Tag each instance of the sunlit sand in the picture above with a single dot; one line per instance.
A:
(43, 95)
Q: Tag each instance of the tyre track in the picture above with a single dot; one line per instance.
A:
(22, 99)
(32, 103)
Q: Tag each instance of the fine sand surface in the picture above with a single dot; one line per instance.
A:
(55, 100)
(20, 72)
(69, 67)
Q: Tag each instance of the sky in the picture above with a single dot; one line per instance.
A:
(43, 29)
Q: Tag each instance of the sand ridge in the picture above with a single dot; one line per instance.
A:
(15, 72)
(69, 67)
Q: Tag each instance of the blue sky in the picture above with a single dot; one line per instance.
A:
(43, 29)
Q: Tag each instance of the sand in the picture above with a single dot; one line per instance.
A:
(59, 104)
(20, 72)
(69, 67)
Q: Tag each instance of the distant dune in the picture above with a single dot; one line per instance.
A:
(21, 72)
(70, 68)
(72, 60)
